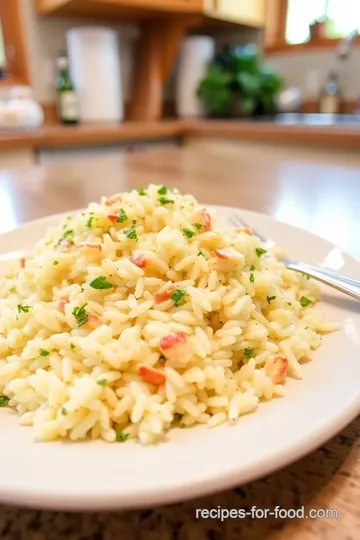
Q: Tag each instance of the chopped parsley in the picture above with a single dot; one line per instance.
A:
(260, 251)
(252, 267)
(90, 221)
(131, 233)
(162, 190)
(80, 314)
(43, 352)
(102, 382)
(67, 233)
(305, 301)
(188, 233)
(121, 437)
(177, 296)
(55, 263)
(122, 216)
(13, 290)
(101, 283)
(270, 299)
(141, 191)
(177, 416)
(72, 346)
(289, 303)
(248, 352)
(63, 411)
(182, 425)
(197, 226)
(252, 278)
(24, 309)
(164, 200)
(200, 253)
(4, 400)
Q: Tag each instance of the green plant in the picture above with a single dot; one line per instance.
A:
(238, 84)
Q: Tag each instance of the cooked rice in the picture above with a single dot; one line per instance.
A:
(78, 362)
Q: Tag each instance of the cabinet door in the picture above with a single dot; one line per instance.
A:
(248, 12)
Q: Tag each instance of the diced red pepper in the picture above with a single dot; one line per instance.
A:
(162, 296)
(22, 262)
(92, 322)
(206, 222)
(138, 260)
(223, 254)
(87, 245)
(112, 217)
(62, 303)
(152, 376)
(114, 199)
(172, 340)
(245, 230)
(276, 369)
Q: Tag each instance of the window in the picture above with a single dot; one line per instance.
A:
(311, 23)
(13, 64)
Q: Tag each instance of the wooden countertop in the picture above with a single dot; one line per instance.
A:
(57, 136)
(315, 190)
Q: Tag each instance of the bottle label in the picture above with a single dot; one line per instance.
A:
(68, 106)
(329, 105)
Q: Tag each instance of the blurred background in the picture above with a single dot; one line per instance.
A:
(99, 76)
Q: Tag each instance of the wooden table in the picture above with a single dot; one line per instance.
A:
(320, 192)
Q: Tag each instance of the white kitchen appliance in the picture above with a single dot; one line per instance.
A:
(94, 61)
(196, 53)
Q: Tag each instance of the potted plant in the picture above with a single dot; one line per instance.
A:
(317, 29)
(237, 84)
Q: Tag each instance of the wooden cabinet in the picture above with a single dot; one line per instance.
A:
(129, 8)
(246, 12)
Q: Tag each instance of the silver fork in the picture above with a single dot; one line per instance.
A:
(346, 285)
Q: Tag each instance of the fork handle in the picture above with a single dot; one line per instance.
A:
(341, 283)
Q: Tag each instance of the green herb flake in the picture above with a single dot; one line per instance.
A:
(43, 352)
(305, 301)
(197, 226)
(63, 411)
(164, 200)
(55, 263)
(248, 353)
(4, 400)
(252, 267)
(141, 191)
(24, 309)
(200, 254)
(289, 303)
(13, 290)
(182, 425)
(72, 346)
(101, 283)
(90, 221)
(177, 416)
(121, 437)
(260, 251)
(270, 299)
(162, 190)
(177, 296)
(102, 382)
(252, 278)
(188, 233)
(122, 216)
(80, 314)
(131, 233)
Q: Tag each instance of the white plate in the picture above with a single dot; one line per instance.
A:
(196, 461)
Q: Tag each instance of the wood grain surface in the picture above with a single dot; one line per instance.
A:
(318, 191)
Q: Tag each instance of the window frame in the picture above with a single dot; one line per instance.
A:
(276, 28)
(13, 37)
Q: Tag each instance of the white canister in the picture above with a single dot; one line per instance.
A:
(95, 70)
(196, 53)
